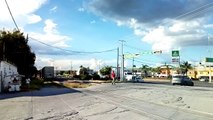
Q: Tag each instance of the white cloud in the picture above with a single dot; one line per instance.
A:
(50, 36)
(65, 64)
(50, 26)
(34, 19)
(179, 23)
(23, 12)
(54, 9)
(208, 26)
(170, 36)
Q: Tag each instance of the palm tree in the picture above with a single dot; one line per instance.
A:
(156, 70)
(145, 69)
(185, 67)
(168, 69)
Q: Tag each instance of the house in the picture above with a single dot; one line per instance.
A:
(166, 71)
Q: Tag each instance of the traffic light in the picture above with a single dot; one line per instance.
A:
(157, 52)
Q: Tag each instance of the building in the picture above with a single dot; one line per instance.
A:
(47, 72)
(10, 80)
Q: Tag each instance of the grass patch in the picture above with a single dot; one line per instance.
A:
(77, 85)
(35, 84)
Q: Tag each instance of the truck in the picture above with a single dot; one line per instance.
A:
(47, 72)
(10, 80)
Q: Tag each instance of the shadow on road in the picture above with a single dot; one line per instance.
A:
(45, 91)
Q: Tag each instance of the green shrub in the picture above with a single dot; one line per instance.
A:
(36, 84)
(95, 76)
(85, 77)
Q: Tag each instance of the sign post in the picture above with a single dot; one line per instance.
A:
(175, 53)
(176, 56)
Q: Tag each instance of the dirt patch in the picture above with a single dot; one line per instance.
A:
(76, 85)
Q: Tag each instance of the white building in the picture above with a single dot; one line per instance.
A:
(9, 73)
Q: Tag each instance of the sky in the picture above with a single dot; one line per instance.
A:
(70, 33)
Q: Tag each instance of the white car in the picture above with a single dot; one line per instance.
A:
(138, 79)
(181, 80)
(204, 78)
(128, 76)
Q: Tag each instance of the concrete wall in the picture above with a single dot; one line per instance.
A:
(7, 73)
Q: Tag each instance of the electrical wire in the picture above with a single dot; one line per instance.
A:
(134, 47)
(71, 51)
(12, 15)
(195, 11)
(187, 15)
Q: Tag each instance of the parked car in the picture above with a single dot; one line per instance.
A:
(181, 80)
(204, 78)
(128, 76)
(138, 79)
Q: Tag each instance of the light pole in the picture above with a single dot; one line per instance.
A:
(210, 72)
(122, 60)
(118, 73)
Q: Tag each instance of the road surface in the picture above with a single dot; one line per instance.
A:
(123, 101)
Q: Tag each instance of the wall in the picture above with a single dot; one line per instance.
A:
(7, 73)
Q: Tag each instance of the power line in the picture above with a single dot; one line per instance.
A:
(72, 51)
(80, 52)
(12, 15)
(195, 11)
(192, 13)
(134, 47)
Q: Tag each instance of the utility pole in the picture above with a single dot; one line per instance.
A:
(118, 75)
(133, 60)
(71, 66)
(210, 64)
(122, 60)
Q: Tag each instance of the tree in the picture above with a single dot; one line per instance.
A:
(167, 69)
(156, 70)
(83, 73)
(145, 69)
(83, 70)
(15, 49)
(106, 70)
(185, 66)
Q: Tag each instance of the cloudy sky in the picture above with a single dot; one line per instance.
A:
(71, 33)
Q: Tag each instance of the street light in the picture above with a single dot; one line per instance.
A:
(210, 76)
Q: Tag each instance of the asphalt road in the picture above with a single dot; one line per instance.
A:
(167, 82)
(123, 101)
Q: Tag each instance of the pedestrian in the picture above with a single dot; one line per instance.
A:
(113, 77)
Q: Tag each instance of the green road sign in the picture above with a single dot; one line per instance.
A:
(208, 59)
(175, 53)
